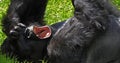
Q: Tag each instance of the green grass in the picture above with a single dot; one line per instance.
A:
(57, 10)
(117, 3)
(3, 7)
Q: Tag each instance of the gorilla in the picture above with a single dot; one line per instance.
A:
(21, 18)
(92, 35)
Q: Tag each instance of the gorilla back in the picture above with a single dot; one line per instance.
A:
(106, 47)
(92, 35)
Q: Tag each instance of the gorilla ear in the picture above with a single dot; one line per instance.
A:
(42, 32)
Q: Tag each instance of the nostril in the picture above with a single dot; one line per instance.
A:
(12, 31)
(16, 27)
(13, 34)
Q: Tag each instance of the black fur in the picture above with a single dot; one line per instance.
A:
(31, 49)
(92, 35)
(21, 15)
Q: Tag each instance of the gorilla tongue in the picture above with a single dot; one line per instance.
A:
(42, 32)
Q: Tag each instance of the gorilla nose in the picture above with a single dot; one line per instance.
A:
(13, 34)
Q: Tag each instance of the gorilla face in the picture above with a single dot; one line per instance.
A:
(31, 44)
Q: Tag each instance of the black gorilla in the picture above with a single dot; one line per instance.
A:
(23, 13)
(17, 23)
(92, 35)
